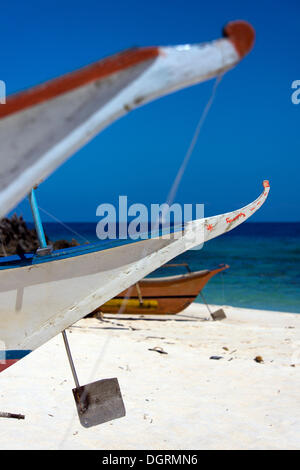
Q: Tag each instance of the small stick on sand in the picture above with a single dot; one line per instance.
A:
(11, 415)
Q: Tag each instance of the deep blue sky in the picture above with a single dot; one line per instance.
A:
(251, 133)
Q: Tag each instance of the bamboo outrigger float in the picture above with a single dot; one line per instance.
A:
(42, 294)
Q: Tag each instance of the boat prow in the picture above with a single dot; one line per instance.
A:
(43, 126)
(41, 296)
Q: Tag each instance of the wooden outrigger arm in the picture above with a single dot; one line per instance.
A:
(43, 126)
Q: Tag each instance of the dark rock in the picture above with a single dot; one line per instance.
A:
(17, 238)
(59, 244)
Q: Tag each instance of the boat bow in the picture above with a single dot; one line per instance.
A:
(76, 281)
(43, 126)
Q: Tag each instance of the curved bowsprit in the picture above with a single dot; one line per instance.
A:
(219, 224)
(199, 231)
(43, 126)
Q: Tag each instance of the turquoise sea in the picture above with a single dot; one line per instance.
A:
(264, 261)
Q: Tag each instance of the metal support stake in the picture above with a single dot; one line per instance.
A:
(70, 358)
(218, 314)
(207, 306)
(139, 294)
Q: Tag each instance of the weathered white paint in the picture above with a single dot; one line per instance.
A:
(35, 141)
(39, 301)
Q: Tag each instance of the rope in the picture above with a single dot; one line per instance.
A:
(64, 224)
(186, 159)
(180, 173)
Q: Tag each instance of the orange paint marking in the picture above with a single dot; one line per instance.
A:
(241, 214)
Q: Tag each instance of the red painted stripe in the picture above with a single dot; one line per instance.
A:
(7, 363)
(70, 81)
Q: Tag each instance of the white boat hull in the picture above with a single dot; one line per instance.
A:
(41, 299)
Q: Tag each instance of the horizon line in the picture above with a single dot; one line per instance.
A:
(96, 221)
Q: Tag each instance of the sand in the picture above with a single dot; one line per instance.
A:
(179, 400)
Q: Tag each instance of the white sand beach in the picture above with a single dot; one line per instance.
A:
(179, 400)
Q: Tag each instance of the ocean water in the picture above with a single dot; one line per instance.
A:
(264, 260)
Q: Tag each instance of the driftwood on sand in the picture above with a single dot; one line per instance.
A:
(17, 238)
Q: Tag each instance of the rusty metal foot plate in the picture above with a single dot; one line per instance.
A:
(99, 402)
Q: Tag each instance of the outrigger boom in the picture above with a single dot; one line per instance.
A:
(43, 126)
